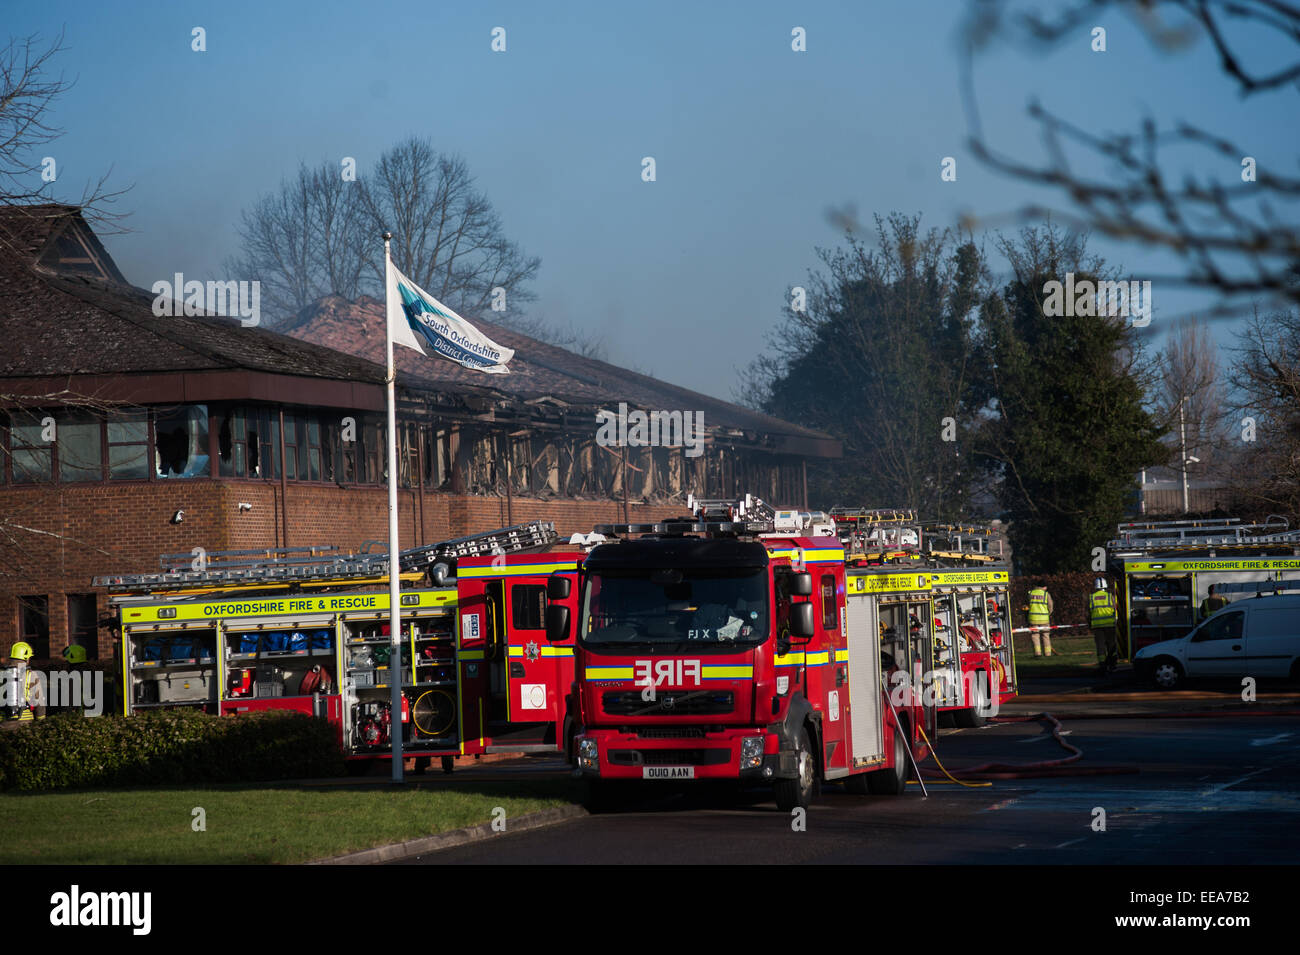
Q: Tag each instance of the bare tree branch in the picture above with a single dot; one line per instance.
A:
(1227, 226)
(27, 93)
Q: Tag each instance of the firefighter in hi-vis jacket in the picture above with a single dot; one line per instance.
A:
(1040, 621)
(25, 699)
(1101, 618)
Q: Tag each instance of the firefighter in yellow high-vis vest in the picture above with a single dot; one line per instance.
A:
(1101, 618)
(26, 697)
(1040, 621)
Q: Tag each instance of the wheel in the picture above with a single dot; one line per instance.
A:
(421, 764)
(358, 767)
(570, 730)
(892, 781)
(975, 716)
(1166, 673)
(449, 764)
(799, 792)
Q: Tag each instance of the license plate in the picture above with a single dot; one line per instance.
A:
(667, 772)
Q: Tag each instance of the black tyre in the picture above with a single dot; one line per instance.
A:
(892, 781)
(799, 792)
(449, 764)
(975, 715)
(1166, 673)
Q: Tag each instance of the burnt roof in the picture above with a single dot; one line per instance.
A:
(66, 310)
(538, 371)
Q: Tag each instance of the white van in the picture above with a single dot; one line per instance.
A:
(1254, 636)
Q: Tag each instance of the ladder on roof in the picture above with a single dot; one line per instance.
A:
(979, 541)
(322, 565)
(748, 516)
(874, 515)
(1192, 536)
(878, 534)
(1257, 588)
(748, 508)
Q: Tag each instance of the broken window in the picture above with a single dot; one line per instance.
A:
(248, 443)
(181, 442)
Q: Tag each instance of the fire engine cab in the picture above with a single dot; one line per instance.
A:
(736, 644)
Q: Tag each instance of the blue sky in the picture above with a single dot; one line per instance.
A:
(753, 142)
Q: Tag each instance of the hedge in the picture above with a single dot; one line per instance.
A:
(166, 747)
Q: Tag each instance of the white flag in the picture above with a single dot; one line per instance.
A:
(399, 329)
(412, 310)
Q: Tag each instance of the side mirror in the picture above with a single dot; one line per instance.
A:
(558, 588)
(557, 623)
(801, 586)
(801, 619)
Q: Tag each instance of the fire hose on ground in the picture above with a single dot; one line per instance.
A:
(1038, 770)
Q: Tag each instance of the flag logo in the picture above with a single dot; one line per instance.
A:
(415, 315)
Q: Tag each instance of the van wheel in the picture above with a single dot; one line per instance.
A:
(1167, 674)
(798, 792)
(1295, 672)
(892, 781)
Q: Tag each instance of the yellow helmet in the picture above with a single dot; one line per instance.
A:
(74, 654)
(21, 651)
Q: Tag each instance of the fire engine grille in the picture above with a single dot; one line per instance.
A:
(669, 757)
(666, 732)
(674, 703)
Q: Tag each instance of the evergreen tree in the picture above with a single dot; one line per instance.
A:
(881, 359)
(1066, 429)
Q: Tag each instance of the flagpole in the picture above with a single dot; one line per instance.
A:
(395, 725)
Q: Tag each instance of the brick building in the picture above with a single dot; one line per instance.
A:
(125, 435)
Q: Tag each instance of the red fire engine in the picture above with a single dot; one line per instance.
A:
(294, 630)
(964, 634)
(735, 645)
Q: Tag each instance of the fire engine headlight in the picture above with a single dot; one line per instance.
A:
(588, 754)
(751, 752)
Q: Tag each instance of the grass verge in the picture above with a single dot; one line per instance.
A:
(1074, 652)
(275, 823)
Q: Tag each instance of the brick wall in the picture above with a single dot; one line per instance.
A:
(56, 539)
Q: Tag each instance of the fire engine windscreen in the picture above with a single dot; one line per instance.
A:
(667, 609)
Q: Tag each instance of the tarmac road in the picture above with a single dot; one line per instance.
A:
(1210, 791)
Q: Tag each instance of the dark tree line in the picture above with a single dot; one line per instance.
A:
(954, 395)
